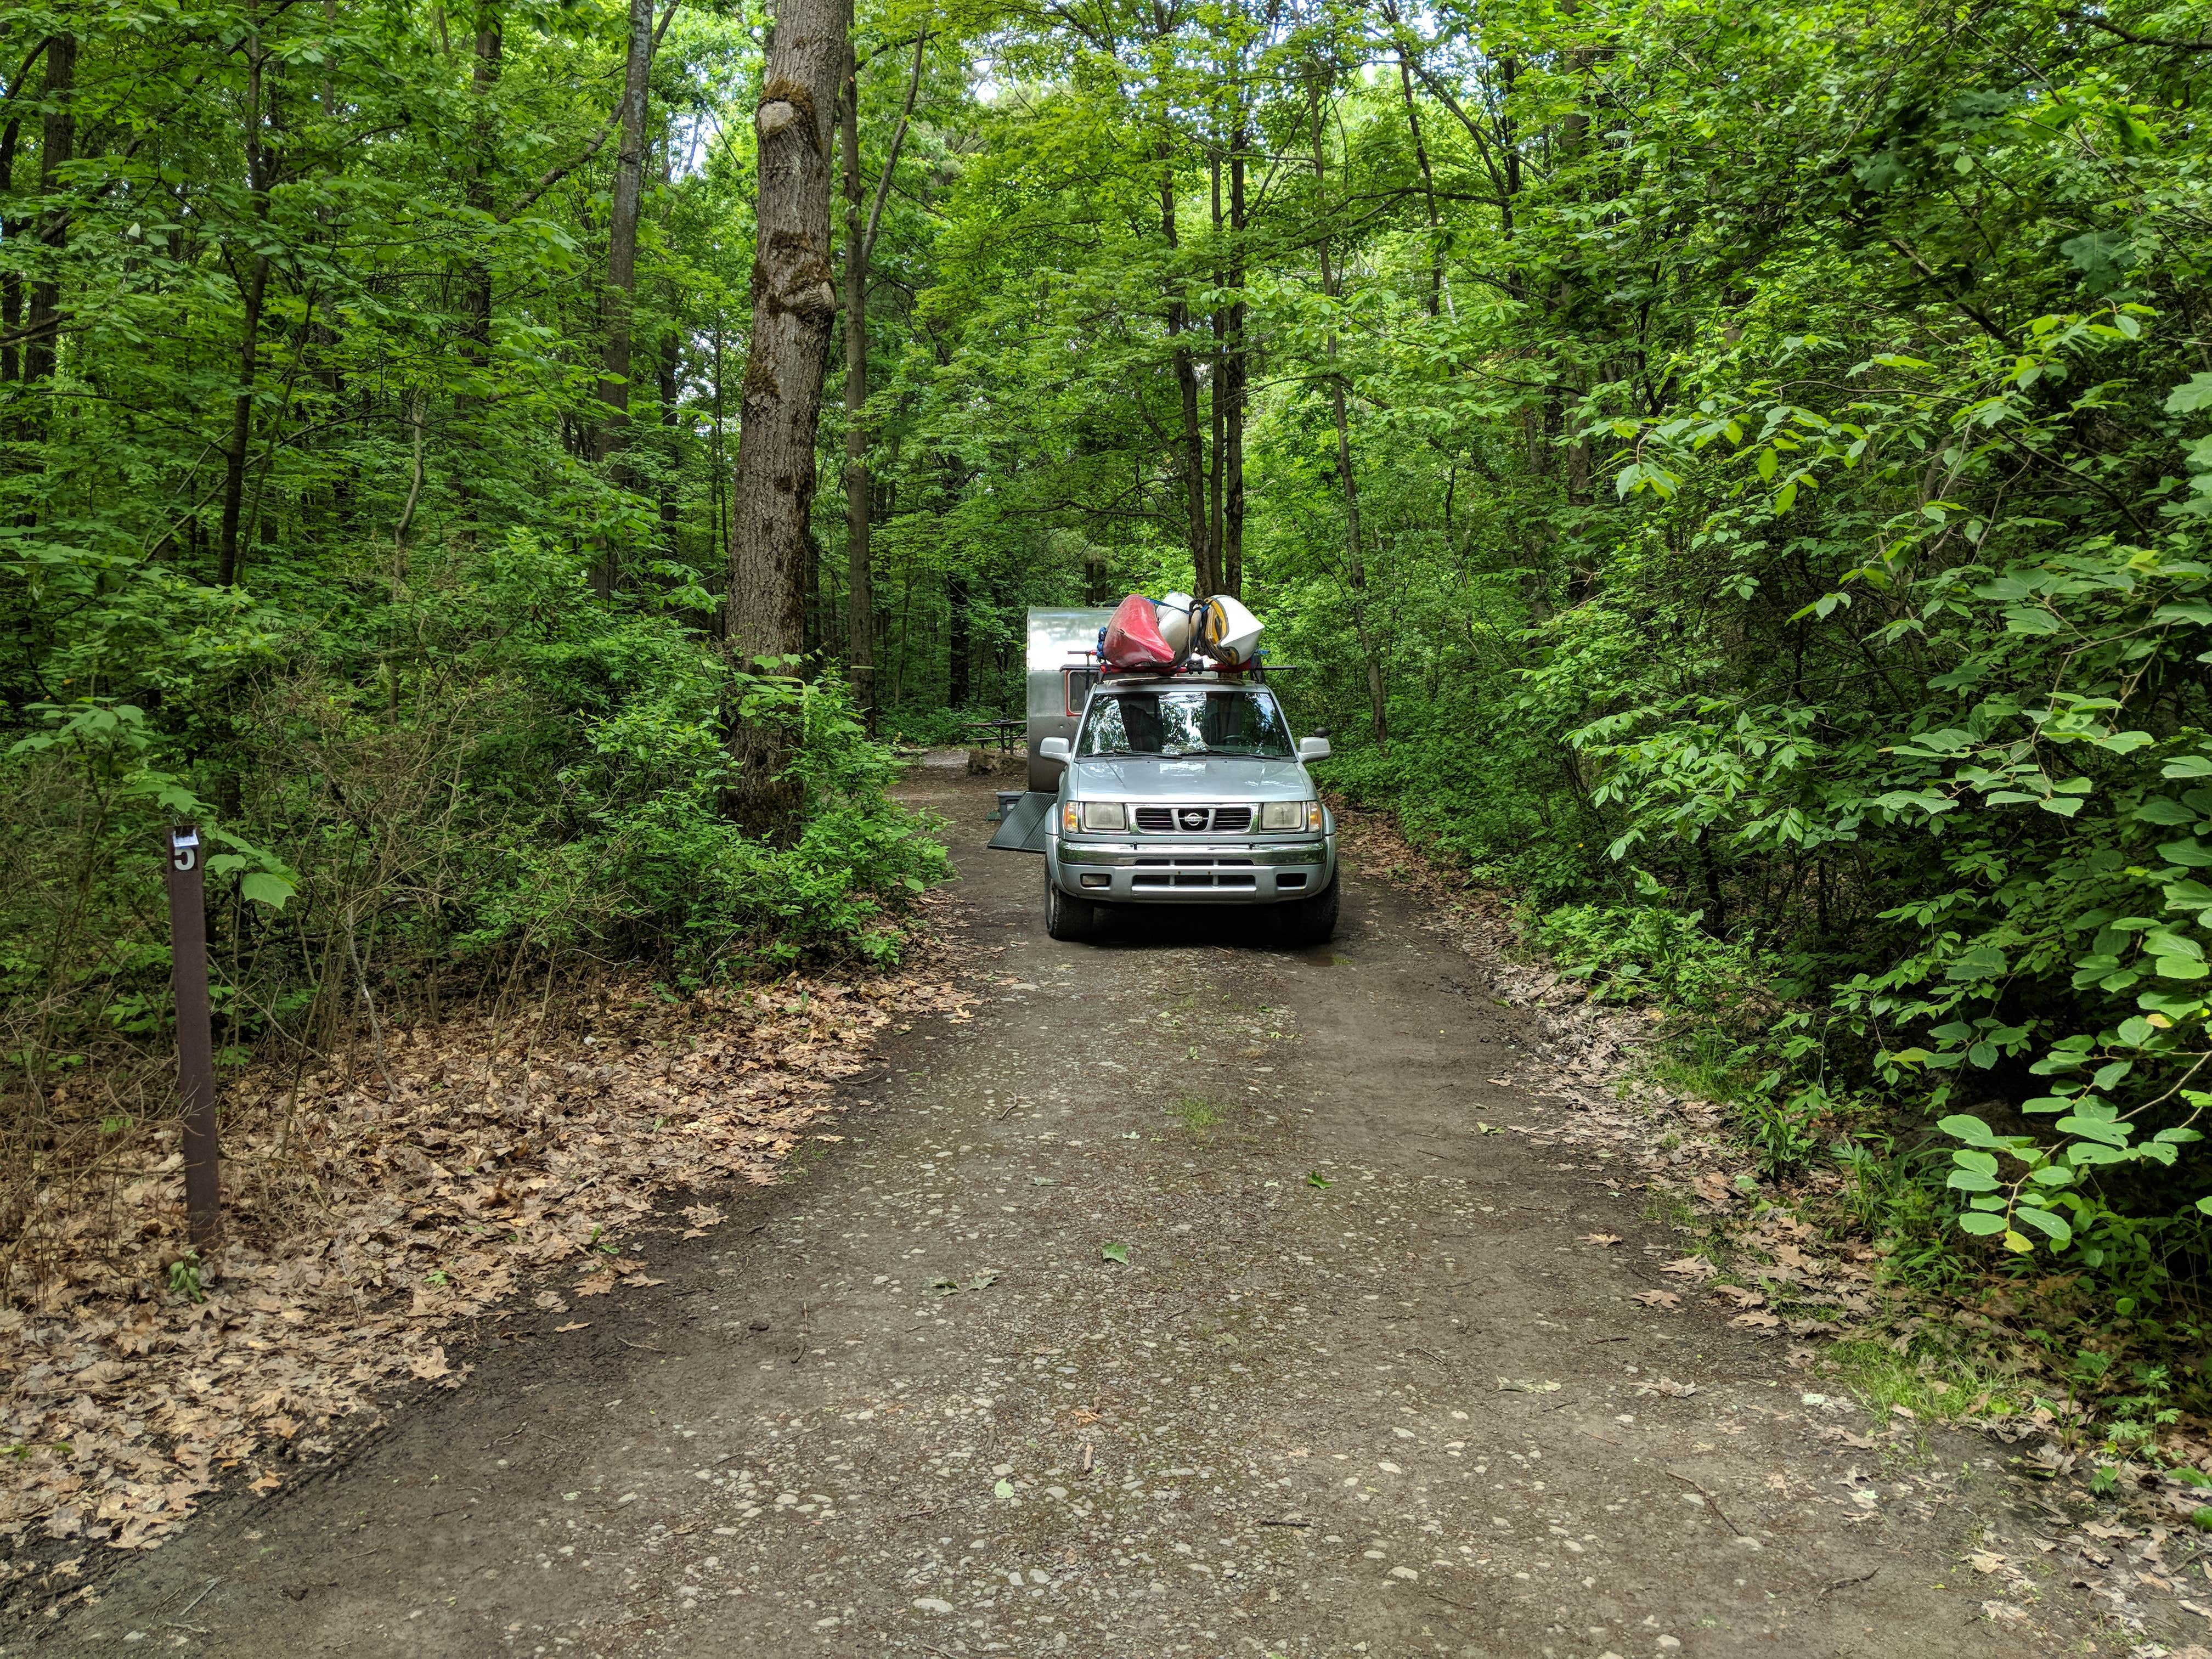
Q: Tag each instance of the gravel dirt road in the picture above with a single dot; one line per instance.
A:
(1359, 1387)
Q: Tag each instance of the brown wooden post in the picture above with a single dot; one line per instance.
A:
(188, 977)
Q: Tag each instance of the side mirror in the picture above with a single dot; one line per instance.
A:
(1313, 748)
(1052, 749)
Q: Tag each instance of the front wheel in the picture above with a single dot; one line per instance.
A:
(1309, 921)
(1064, 918)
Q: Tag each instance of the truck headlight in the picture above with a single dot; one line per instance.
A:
(1104, 815)
(1284, 814)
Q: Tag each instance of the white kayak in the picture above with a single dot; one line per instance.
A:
(1174, 614)
(1227, 632)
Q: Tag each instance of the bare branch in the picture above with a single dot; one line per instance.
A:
(2133, 39)
(15, 82)
(1404, 41)
(553, 176)
(890, 161)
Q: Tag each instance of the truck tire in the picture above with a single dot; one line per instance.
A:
(1310, 922)
(1073, 920)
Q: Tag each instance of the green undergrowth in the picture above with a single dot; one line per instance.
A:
(2107, 1340)
(909, 726)
(1665, 1207)
(1935, 1384)
(1986, 1335)
(455, 788)
(1198, 1113)
(1466, 804)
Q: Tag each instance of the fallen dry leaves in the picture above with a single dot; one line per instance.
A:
(372, 1214)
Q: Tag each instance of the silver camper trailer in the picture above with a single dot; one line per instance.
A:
(1063, 666)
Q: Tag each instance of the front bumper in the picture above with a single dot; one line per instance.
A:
(1211, 872)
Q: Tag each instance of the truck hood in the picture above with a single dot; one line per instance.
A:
(1197, 777)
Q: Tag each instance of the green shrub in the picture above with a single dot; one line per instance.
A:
(412, 794)
(1630, 952)
(930, 728)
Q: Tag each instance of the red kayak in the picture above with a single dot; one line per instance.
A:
(1132, 636)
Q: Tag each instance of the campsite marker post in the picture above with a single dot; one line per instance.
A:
(188, 978)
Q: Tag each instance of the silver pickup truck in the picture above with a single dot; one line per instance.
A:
(1176, 789)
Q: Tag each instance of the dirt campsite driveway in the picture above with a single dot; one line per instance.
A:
(1361, 1385)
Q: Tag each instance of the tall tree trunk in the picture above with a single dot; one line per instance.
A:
(1216, 389)
(1236, 376)
(1437, 288)
(668, 366)
(476, 297)
(860, 252)
(818, 605)
(795, 299)
(622, 242)
(717, 489)
(12, 225)
(860, 592)
(1355, 565)
(228, 562)
(11, 281)
(56, 148)
(1508, 145)
(1203, 578)
(1356, 562)
(905, 633)
(1578, 447)
(1574, 139)
(476, 275)
(958, 648)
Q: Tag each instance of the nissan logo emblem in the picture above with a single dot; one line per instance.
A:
(1193, 820)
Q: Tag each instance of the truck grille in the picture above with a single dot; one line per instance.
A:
(1193, 820)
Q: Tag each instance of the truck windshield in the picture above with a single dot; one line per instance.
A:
(1185, 722)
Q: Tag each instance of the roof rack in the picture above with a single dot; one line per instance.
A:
(1256, 671)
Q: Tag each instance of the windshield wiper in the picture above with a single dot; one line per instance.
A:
(1177, 754)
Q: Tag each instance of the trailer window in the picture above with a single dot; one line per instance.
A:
(1185, 722)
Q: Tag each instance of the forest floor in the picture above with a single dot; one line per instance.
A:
(1400, 1361)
